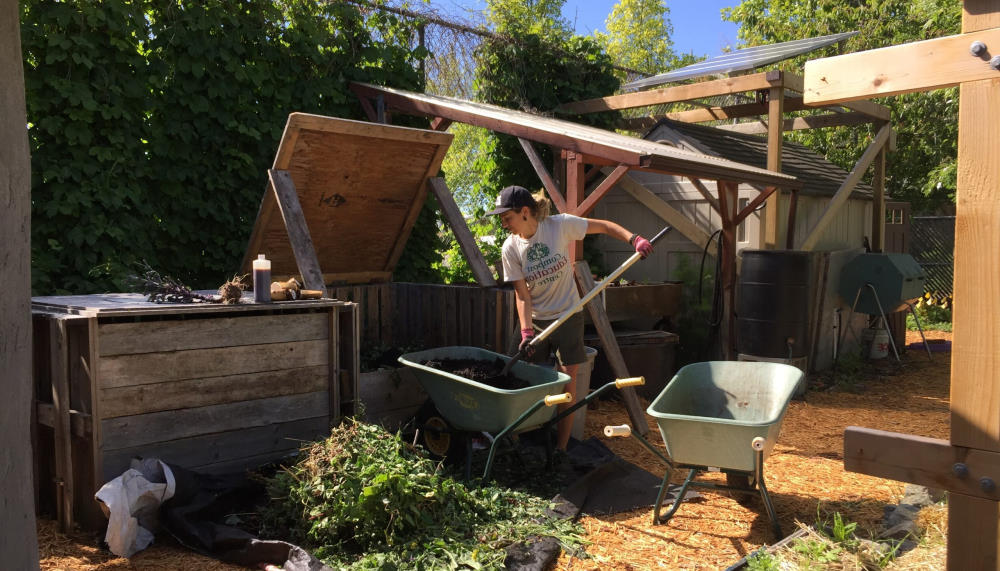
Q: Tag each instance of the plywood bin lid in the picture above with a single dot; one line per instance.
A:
(360, 186)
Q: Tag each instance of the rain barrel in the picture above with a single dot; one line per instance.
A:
(772, 306)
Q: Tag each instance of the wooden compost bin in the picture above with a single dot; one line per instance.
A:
(210, 387)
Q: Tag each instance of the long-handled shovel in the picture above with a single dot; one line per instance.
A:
(583, 301)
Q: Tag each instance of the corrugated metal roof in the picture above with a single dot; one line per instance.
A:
(739, 60)
(817, 175)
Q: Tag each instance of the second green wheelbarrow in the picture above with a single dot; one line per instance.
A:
(724, 415)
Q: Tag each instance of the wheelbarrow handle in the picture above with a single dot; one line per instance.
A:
(630, 382)
(617, 431)
(551, 400)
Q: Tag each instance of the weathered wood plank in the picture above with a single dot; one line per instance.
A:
(192, 393)
(943, 62)
(219, 447)
(136, 305)
(81, 423)
(181, 335)
(144, 429)
(466, 242)
(974, 544)
(148, 368)
(775, 144)
(919, 460)
(390, 396)
(298, 231)
(59, 359)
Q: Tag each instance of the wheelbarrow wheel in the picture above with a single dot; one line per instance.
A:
(437, 436)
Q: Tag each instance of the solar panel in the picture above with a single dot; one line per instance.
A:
(739, 60)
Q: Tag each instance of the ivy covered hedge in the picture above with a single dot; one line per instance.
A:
(152, 124)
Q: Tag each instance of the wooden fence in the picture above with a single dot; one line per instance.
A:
(415, 315)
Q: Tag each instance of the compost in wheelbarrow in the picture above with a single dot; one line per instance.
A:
(479, 407)
(725, 415)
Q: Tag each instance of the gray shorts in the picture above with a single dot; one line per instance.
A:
(566, 341)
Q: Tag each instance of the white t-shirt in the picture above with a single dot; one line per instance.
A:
(543, 262)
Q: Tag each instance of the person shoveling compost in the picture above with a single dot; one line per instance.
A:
(536, 260)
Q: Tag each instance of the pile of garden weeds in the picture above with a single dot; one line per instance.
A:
(364, 499)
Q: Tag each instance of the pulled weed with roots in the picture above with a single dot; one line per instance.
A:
(364, 499)
(160, 288)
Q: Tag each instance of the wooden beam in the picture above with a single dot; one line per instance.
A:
(728, 193)
(298, 231)
(874, 110)
(917, 66)
(575, 188)
(847, 187)
(753, 204)
(467, 243)
(738, 84)
(705, 193)
(81, 423)
(793, 202)
(598, 193)
(974, 536)
(919, 460)
(543, 173)
(801, 123)
(366, 106)
(667, 213)
(775, 111)
(609, 345)
(440, 124)
(878, 202)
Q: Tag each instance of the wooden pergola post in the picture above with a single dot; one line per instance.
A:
(969, 465)
(727, 205)
(775, 112)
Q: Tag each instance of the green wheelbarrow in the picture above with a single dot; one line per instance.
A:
(467, 407)
(724, 415)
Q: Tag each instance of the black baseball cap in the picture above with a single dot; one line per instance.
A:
(513, 198)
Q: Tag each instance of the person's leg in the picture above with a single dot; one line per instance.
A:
(568, 341)
(565, 425)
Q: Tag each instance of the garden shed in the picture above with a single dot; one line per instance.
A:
(819, 177)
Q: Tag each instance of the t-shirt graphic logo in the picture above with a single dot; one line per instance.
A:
(537, 252)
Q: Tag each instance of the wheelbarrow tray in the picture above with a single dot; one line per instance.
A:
(473, 406)
(710, 412)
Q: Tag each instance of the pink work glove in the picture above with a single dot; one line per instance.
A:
(526, 336)
(642, 246)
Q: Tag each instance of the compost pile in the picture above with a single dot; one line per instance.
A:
(486, 372)
(364, 499)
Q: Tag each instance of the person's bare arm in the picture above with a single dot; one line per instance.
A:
(596, 226)
(522, 301)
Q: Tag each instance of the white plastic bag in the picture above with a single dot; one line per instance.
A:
(132, 503)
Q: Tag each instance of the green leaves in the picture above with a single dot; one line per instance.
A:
(364, 499)
(153, 123)
(926, 123)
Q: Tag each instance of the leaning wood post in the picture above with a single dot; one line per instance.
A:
(612, 352)
(453, 215)
(298, 230)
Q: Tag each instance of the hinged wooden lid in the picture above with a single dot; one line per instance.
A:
(360, 186)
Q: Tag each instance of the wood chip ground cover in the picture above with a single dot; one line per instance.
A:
(804, 471)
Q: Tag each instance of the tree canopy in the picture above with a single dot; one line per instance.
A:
(922, 170)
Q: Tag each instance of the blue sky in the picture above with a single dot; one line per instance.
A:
(698, 24)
